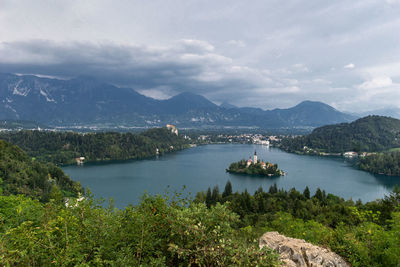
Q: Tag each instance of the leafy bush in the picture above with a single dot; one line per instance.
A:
(153, 233)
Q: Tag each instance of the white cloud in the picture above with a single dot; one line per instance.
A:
(375, 83)
(196, 45)
(161, 92)
(393, 2)
(238, 43)
(349, 66)
(391, 69)
(299, 67)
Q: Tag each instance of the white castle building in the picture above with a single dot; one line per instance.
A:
(172, 128)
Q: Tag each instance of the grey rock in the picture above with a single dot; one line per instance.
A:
(298, 253)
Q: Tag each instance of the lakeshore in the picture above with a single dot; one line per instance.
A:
(199, 167)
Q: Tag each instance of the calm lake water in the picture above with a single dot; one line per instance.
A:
(202, 167)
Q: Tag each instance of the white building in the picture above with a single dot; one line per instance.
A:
(172, 128)
(249, 162)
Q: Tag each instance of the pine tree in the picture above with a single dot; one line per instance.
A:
(306, 193)
(273, 189)
(227, 190)
(215, 195)
(318, 194)
(208, 198)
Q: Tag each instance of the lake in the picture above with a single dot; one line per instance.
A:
(201, 167)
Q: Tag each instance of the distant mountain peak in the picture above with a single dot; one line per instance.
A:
(186, 101)
(312, 103)
(189, 95)
(227, 105)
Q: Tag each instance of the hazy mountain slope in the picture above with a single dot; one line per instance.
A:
(227, 105)
(88, 101)
(310, 113)
(73, 101)
(390, 112)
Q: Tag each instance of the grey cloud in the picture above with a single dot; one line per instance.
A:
(259, 53)
(185, 69)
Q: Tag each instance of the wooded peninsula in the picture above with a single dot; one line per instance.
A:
(63, 148)
(375, 138)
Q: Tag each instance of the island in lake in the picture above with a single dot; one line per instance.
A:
(255, 167)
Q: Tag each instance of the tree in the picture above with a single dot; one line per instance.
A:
(215, 195)
(227, 190)
(273, 189)
(306, 193)
(318, 194)
(208, 198)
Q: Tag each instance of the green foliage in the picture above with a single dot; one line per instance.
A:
(174, 232)
(369, 134)
(364, 234)
(206, 238)
(310, 230)
(366, 244)
(381, 163)
(154, 233)
(22, 175)
(64, 147)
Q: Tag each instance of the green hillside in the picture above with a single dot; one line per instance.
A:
(369, 134)
(22, 175)
(64, 147)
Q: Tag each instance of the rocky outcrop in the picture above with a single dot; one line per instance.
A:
(298, 253)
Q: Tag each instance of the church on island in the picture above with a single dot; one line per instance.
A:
(256, 161)
(255, 167)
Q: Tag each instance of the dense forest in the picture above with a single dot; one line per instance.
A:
(381, 163)
(241, 167)
(19, 174)
(368, 134)
(64, 147)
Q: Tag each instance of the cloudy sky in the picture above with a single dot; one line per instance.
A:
(268, 53)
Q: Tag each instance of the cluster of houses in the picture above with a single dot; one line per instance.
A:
(255, 161)
(347, 154)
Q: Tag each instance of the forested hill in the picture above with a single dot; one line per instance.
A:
(369, 134)
(22, 175)
(64, 147)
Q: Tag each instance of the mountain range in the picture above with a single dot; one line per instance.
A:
(87, 101)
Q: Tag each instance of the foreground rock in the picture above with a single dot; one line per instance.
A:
(296, 252)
